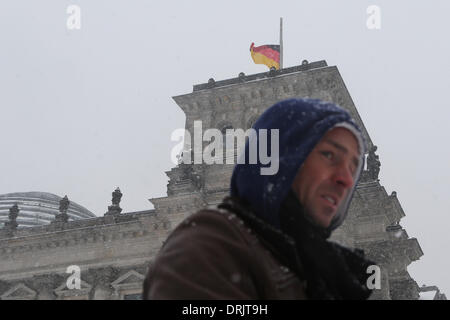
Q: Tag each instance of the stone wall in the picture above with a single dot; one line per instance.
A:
(113, 253)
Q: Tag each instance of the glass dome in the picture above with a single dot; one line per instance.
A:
(38, 208)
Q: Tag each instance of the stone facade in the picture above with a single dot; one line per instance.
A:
(114, 251)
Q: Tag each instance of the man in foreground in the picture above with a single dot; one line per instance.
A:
(268, 240)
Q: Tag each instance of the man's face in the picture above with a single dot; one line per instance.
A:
(327, 174)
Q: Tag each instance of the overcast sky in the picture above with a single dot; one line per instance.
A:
(86, 110)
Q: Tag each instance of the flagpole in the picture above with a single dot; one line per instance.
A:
(281, 43)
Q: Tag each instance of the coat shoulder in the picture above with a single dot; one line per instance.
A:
(213, 254)
(205, 257)
(209, 223)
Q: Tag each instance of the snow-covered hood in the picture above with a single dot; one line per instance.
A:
(301, 124)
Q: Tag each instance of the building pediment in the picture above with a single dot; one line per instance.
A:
(19, 292)
(129, 279)
(63, 292)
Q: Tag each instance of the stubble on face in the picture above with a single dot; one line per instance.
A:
(327, 175)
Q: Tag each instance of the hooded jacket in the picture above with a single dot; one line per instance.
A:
(259, 244)
(301, 124)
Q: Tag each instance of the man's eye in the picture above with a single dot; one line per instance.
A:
(327, 154)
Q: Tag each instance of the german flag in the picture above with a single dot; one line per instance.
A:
(268, 54)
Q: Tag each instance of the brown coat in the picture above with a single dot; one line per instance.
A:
(214, 254)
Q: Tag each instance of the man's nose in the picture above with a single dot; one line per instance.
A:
(343, 176)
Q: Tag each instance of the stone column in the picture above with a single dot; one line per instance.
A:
(103, 278)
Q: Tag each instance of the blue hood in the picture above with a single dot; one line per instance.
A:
(301, 124)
